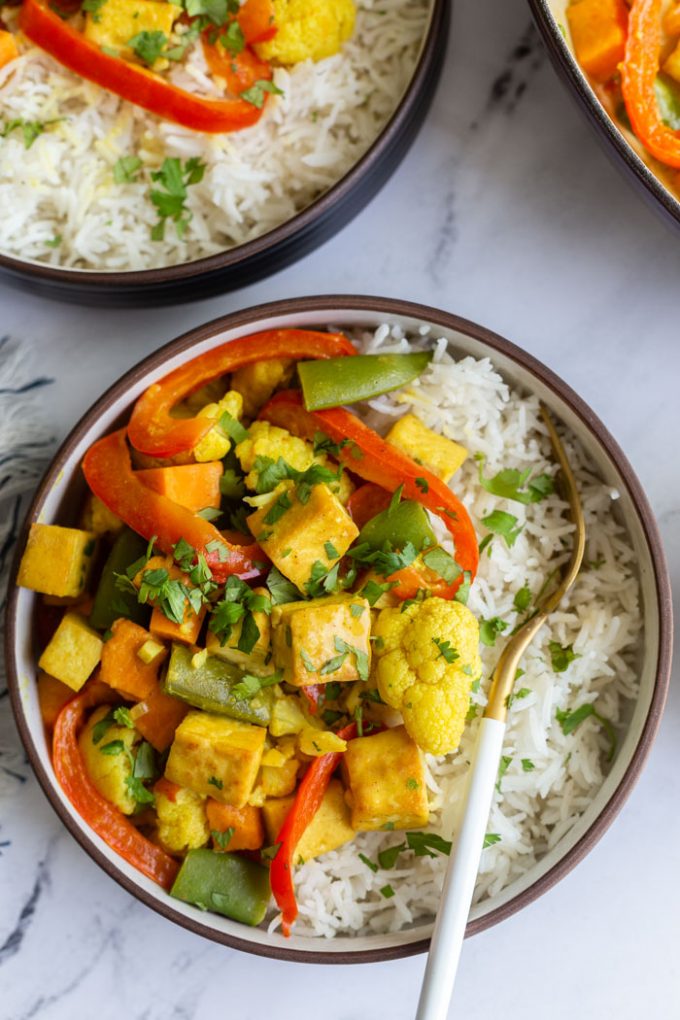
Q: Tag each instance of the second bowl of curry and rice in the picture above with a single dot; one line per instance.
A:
(287, 613)
(164, 150)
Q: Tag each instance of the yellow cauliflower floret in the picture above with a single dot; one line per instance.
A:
(257, 382)
(182, 822)
(425, 665)
(265, 440)
(215, 444)
(108, 770)
(308, 30)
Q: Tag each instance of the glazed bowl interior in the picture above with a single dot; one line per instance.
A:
(62, 484)
(280, 246)
(551, 18)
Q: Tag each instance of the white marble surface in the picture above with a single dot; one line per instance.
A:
(507, 212)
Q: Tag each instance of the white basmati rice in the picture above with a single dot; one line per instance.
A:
(60, 205)
(551, 778)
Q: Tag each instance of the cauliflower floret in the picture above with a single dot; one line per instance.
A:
(215, 444)
(265, 440)
(108, 762)
(425, 665)
(308, 30)
(257, 382)
(182, 822)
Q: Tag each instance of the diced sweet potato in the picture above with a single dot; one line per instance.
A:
(8, 48)
(598, 31)
(194, 486)
(246, 822)
(52, 696)
(162, 717)
(122, 668)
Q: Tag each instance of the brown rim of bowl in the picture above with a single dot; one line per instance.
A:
(569, 70)
(335, 305)
(186, 271)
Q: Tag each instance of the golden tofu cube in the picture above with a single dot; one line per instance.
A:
(329, 828)
(216, 757)
(57, 560)
(322, 640)
(385, 775)
(115, 22)
(73, 652)
(279, 781)
(441, 455)
(319, 531)
(109, 772)
(256, 661)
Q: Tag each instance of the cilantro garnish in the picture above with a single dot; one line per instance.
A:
(463, 593)
(368, 862)
(513, 484)
(30, 129)
(280, 588)
(232, 486)
(113, 747)
(278, 509)
(93, 7)
(385, 561)
(125, 169)
(501, 523)
(100, 728)
(446, 651)
(503, 767)
(561, 656)
(54, 242)
(423, 485)
(331, 552)
(229, 425)
(222, 839)
(570, 721)
(490, 629)
(256, 93)
(361, 658)
(251, 685)
(148, 46)
(490, 838)
(123, 718)
(527, 765)
(522, 599)
(238, 604)
(412, 784)
(387, 891)
(388, 857)
(233, 39)
(217, 783)
(372, 590)
(174, 178)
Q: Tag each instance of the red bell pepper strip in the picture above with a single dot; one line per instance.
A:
(638, 76)
(366, 454)
(307, 801)
(240, 71)
(257, 21)
(137, 84)
(367, 502)
(108, 472)
(105, 819)
(154, 432)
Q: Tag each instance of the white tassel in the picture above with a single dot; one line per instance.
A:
(26, 446)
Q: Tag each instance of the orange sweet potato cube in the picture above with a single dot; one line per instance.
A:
(162, 717)
(122, 668)
(52, 696)
(194, 486)
(598, 31)
(246, 822)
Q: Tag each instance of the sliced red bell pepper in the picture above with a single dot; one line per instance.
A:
(307, 801)
(108, 472)
(366, 454)
(367, 502)
(153, 431)
(45, 28)
(239, 71)
(105, 819)
(638, 76)
(257, 21)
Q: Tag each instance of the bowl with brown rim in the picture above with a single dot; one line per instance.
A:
(277, 248)
(62, 488)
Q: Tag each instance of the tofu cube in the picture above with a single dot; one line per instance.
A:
(441, 455)
(310, 640)
(216, 756)
(385, 776)
(57, 560)
(257, 661)
(318, 531)
(98, 518)
(115, 22)
(329, 828)
(73, 652)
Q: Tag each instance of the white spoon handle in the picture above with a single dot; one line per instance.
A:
(459, 884)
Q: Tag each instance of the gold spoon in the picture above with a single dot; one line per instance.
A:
(461, 873)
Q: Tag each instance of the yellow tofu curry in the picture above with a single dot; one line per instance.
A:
(257, 627)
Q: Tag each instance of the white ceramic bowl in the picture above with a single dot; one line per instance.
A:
(62, 488)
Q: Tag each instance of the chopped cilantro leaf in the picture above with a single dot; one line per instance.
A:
(503, 524)
(527, 765)
(446, 651)
(513, 484)
(222, 839)
(503, 767)
(387, 891)
(368, 862)
(490, 629)
(217, 783)
(388, 858)
(522, 599)
(490, 838)
(125, 169)
(256, 93)
(423, 485)
(570, 721)
(561, 656)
